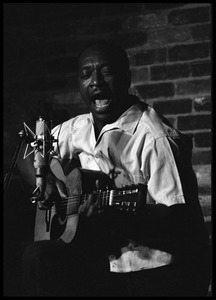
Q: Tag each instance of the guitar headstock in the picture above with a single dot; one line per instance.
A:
(128, 198)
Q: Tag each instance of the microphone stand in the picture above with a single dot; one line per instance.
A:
(9, 174)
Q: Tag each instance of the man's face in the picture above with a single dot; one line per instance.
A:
(102, 83)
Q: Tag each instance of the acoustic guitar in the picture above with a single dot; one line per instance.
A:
(60, 221)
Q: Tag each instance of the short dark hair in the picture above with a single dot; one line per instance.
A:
(118, 51)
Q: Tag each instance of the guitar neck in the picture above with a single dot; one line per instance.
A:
(124, 199)
(127, 198)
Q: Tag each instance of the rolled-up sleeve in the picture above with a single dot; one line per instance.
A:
(159, 167)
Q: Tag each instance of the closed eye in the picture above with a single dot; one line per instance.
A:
(85, 73)
(107, 71)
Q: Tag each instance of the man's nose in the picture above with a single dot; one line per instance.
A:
(96, 78)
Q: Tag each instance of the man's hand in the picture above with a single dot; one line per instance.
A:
(89, 207)
(54, 191)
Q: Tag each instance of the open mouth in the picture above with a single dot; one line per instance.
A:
(101, 104)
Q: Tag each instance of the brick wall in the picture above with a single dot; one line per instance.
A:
(169, 47)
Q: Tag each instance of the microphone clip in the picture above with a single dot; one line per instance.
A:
(42, 143)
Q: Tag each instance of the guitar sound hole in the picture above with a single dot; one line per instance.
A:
(57, 227)
(62, 219)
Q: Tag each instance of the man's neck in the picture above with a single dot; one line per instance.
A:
(99, 124)
(98, 127)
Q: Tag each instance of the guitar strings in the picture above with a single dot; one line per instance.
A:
(104, 195)
(76, 200)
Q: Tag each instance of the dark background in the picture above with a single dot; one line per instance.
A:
(169, 47)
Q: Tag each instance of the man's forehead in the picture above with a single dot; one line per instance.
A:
(97, 55)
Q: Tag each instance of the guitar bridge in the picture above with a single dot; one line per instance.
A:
(48, 219)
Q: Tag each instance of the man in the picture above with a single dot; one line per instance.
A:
(158, 249)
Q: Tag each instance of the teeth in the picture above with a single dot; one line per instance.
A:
(101, 103)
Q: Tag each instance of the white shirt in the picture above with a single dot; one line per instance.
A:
(137, 148)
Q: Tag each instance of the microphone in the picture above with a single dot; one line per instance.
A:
(42, 147)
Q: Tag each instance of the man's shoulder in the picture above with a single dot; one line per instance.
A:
(156, 124)
(72, 123)
(79, 120)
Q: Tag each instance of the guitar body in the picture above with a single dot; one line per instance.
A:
(54, 223)
(61, 220)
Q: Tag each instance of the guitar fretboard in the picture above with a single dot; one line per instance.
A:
(124, 199)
